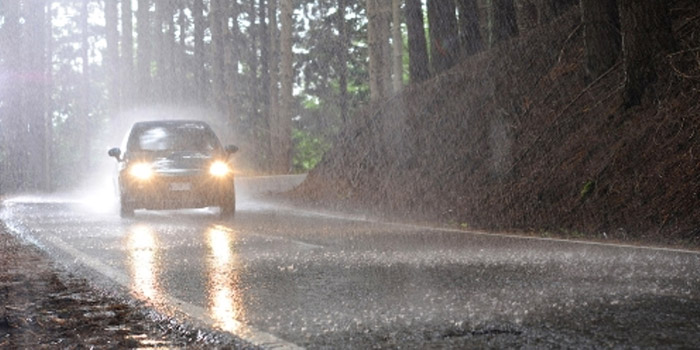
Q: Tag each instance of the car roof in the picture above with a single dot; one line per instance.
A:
(178, 122)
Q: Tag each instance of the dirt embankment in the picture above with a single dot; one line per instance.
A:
(516, 138)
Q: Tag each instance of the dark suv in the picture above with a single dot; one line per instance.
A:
(174, 164)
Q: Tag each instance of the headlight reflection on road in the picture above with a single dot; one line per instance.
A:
(143, 250)
(224, 299)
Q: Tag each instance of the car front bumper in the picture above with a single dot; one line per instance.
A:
(175, 192)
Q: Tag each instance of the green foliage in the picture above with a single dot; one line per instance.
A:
(308, 150)
(587, 189)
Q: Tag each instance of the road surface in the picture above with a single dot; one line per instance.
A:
(282, 277)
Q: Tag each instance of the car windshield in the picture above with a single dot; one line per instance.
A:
(174, 138)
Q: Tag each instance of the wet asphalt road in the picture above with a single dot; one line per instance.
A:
(284, 278)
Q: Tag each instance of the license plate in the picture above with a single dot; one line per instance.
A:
(180, 186)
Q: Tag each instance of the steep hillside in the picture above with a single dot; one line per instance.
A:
(515, 138)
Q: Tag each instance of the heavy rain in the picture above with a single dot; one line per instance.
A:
(349, 174)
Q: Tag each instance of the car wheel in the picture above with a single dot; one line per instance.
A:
(126, 210)
(228, 207)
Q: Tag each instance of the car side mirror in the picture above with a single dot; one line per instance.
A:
(115, 152)
(231, 149)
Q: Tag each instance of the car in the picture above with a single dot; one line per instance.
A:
(174, 164)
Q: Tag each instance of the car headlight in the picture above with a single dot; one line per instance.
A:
(219, 169)
(141, 171)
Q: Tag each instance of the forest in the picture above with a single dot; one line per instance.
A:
(290, 81)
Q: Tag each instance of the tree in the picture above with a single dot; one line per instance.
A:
(112, 56)
(646, 37)
(273, 92)
(127, 66)
(417, 48)
(283, 131)
(444, 38)
(145, 50)
(469, 32)
(343, 46)
(34, 91)
(502, 21)
(396, 45)
(378, 19)
(218, 26)
(13, 164)
(601, 35)
(200, 74)
(82, 112)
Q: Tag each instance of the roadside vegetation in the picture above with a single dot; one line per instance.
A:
(522, 138)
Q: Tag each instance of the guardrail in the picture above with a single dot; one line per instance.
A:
(268, 184)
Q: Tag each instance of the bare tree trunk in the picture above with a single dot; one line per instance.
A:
(127, 66)
(384, 12)
(274, 77)
(502, 21)
(218, 26)
(82, 121)
(13, 167)
(378, 28)
(397, 45)
(343, 61)
(145, 50)
(601, 35)
(35, 91)
(417, 47)
(232, 58)
(180, 58)
(283, 147)
(200, 74)
(112, 57)
(48, 100)
(646, 37)
(444, 40)
(470, 33)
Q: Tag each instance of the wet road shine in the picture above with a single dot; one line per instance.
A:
(286, 278)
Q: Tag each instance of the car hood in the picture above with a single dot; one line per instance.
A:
(178, 163)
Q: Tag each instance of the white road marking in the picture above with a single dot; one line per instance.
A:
(245, 332)
(311, 213)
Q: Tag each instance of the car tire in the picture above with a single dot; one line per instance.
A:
(227, 209)
(126, 210)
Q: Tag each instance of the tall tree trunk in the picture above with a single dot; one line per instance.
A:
(82, 121)
(274, 77)
(264, 87)
(470, 33)
(35, 92)
(397, 45)
(12, 116)
(48, 100)
(232, 58)
(378, 34)
(502, 21)
(343, 61)
(444, 41)
(127, 66)
(112, 57)
(284, 136)
(145, 50)
(646, 37)
(384, 12)
(200, 74)
(218, 26)
(601, 35)
(180, 58)
(417, 47)
(165, 30)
